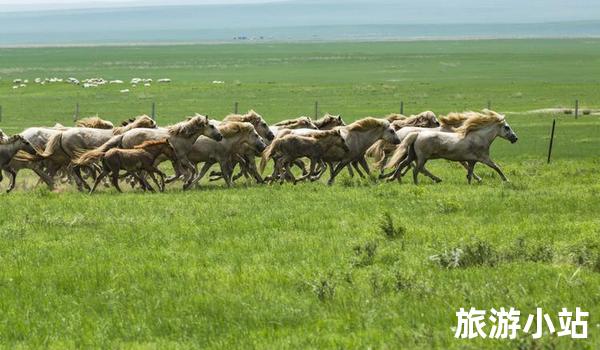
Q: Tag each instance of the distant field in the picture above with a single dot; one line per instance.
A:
(307, 265)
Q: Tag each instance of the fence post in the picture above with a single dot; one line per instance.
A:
(0, 113)
(76, 114)
(316, 109)
(153, 111)
(551, 140)
(489, 106)
(235, 108)
(401, 107)
(576, 109)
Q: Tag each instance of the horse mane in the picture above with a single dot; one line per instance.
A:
(250, 117)
(367, 124)
(476, 121)
(150, 143)
(395, 116)
(288, 122)
(327, 118)
(423, 119)
(94, 122)
(188, 127)
(120, 129)
(454, 119)
(231, 128)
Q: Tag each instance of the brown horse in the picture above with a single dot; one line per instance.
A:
(134, 161)
(284, 150)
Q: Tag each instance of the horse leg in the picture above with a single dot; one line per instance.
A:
(466, 166)
(288, 173)
(336, 171)
(495, 166)
(13, 177)
(350, 171)
(470, 166)
(430, 175)
(98, 180)
(363, 162)
(43, 176)
(151, 174)
(144, 182)
(417, 169)
(313, 165)
(177, 167)
(254, 171)
(355, 165)
(81, 184)
(115, 180)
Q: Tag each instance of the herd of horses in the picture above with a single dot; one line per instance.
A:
(95, 149)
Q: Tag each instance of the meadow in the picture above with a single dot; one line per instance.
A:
(361, 264)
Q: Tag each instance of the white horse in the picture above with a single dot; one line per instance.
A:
(471, 144)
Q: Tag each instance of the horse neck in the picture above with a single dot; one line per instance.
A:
(359, 141)
(12, 148)
(485, 136)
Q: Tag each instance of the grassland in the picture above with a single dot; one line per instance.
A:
(308, 265)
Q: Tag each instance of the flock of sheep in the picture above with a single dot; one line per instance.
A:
(88, 83)
(95, 149)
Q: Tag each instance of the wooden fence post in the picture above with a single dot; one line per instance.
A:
(489, 106)
(576, 109)
(551, 140)
(316, 109)
(235, 108)
(401, 107)
(153, 111)
(76, 114)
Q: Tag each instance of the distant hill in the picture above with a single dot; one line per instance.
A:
(304, 20)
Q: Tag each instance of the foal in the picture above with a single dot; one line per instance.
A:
(9, 146)
(141, 158)
(286, 149)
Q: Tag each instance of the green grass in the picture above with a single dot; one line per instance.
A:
(308, 266)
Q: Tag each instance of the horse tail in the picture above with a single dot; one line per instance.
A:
(266, 155)
(89, 157)
(54, 146)
(401, 152)
(377, 151)
(23, 156)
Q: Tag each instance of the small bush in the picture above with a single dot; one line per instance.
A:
(364, 255)
(477, 253)
(391, 231)
(586, 254)
(324, 289)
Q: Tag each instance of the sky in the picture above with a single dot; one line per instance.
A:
(29, 5)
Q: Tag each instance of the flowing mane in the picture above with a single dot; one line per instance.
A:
(367, 124)
(395, 116)
(94, 122)
(327, 119)
(476, 121)
(455, 119)
(142, 121)
(151, 143)
(250, 117)
(288, 122)
(425, 119)
(228, 129)
(189, 127)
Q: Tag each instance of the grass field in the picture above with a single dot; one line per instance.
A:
(308, 266)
